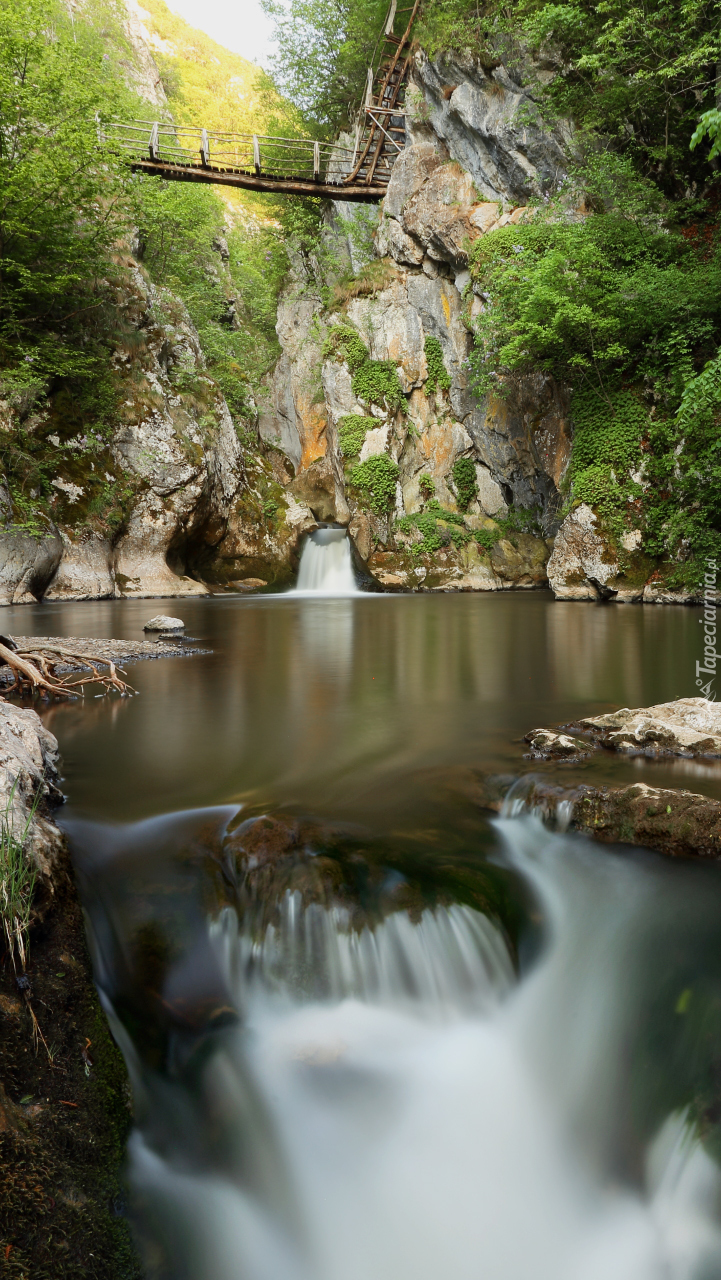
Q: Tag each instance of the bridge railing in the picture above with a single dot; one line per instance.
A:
(167, 143)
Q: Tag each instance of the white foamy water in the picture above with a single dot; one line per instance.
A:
(414, 1146)
(325, 565)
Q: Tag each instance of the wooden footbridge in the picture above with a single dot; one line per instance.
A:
(294, 166)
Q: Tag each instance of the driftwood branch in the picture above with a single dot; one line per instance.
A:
(35, 671)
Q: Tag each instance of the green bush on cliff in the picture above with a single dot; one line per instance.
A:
(352, 431)
(487, 538)
(376, 478)
(464, 482)
(595, 301)
(375, 381)
(433, 525)
(438, 375)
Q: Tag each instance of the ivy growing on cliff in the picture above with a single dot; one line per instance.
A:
(438, 375)
(352, 431)
(374, 381)
(464, 482)
(376, 478)
(607, 450)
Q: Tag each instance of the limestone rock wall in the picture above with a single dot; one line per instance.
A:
(168, 502)
(471, 156)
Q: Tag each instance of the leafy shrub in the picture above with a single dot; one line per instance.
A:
(595, 302)
(376, 478)
(431, 525)
(344, 343)
(438, 375)
(375, 381)
(465, 482)
(352, 431)
(427, 486)
(487, 538)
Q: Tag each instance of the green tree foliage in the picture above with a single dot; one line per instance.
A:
(682, 504)
(634, 75)
(594, 301)
(632, 72)
(59, 190)
(324, 50)
(233, 304)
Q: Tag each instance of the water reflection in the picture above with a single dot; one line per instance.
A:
(329, 701)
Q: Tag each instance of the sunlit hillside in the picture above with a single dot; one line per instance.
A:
(205, 83)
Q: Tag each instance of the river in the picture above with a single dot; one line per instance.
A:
(371, 1031)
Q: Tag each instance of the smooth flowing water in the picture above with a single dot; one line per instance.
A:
(370, 1030)
(325, 564)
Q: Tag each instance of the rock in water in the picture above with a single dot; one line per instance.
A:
(163, 623)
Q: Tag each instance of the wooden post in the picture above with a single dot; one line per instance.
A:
(204, 149)
(316, 160)
(391, 18)
(153, 143)
(256, 154)
(369, 87)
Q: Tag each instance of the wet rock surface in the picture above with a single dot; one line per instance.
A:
(687, 727)
(675, 822)
(29, 794)
(64, 1098)
(546, 745)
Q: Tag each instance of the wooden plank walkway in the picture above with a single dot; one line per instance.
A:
(291, 166)
(294, 166)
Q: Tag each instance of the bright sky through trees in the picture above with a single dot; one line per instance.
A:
(239, 25)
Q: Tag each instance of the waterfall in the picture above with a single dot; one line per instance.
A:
(450, 958)
(325, 564)
(394, 1103)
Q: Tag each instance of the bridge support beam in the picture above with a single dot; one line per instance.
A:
(355, 194)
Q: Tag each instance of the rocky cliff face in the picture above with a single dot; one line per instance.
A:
(471, 163)
(370, 418)
(165, 501)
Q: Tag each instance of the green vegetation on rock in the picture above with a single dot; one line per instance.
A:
(438, 528)
(374, 381)
(376, 478)
(352, 431)
(438, 375)
(464, 482)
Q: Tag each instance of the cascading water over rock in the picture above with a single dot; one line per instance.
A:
(392, 1102)
(325, 565)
